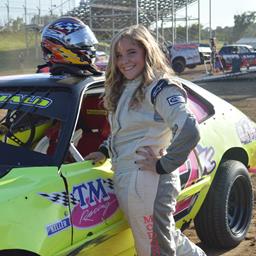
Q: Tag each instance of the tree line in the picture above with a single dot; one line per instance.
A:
(244, 26)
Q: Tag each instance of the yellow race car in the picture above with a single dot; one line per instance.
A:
(54, 203)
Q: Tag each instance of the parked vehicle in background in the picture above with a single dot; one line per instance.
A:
(205, 52)
(243, 52)
(101, 60)
(188, 55)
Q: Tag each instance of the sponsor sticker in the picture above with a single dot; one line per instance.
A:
(93, 202)
(246, 131)
(58, 226)
(35, 101)
(157, 89)
(175, 99)
(97, 200)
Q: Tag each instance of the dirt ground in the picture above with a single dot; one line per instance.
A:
(242, 94)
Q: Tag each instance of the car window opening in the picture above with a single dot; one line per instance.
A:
(201, 108)
(92, 124)
(30, 126)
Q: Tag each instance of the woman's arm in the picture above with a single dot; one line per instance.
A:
(171, 105)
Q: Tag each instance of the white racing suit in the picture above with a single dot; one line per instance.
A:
(148, 199)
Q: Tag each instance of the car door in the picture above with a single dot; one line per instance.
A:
(248, 57)
(34, 202)
(193, 173)
(94, 210)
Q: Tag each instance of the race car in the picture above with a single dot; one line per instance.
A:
(243, 54)
(54, 203)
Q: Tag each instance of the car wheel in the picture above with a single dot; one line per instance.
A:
(225, 216)
(178, 65)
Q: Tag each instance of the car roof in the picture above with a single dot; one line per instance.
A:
(231, 45)
(48, 80)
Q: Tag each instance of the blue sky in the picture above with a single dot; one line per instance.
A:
(223, 11)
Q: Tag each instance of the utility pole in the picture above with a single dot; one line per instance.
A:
(210, 17)
(61, 7)
(25, 25)
(51, 9)
(186, 21)
(39, 13)
(157, 20)
(199, 22)
(8, 13)
(173, 23)
(113, 20)
(37, 29)
(137, 12)
(25, 11)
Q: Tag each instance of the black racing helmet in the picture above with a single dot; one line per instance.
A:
(69, 41)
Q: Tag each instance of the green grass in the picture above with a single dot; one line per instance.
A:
(12, 41)
(11, 44)
(18, 71)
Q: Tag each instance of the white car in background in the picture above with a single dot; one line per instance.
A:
(188, 55)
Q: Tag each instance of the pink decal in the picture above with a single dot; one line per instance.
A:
(183, 205)
(94, 214)
(189, 170)
(97, 202)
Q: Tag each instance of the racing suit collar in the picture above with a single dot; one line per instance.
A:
(133, 83)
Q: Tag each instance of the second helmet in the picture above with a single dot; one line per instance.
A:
(68, 41)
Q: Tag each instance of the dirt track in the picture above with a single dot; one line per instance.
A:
(242, 94)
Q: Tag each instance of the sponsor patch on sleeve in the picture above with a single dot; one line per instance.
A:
(176, 99)
(162, 83)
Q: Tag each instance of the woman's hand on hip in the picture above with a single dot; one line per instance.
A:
(96, 157)
(148, 163)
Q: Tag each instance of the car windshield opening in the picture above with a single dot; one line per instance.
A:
(31, 121)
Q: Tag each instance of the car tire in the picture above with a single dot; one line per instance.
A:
(225, 216)
(178, 65)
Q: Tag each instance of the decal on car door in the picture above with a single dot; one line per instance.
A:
(93, 202)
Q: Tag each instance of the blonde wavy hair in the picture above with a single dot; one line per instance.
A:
(156, 66)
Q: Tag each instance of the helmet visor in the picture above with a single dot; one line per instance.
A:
(81, 38)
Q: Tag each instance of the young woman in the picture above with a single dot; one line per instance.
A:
(152, 133)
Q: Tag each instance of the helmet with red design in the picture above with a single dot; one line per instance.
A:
(68, 40)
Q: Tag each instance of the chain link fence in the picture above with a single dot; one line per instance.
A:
(22, 20)
(20, 24)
